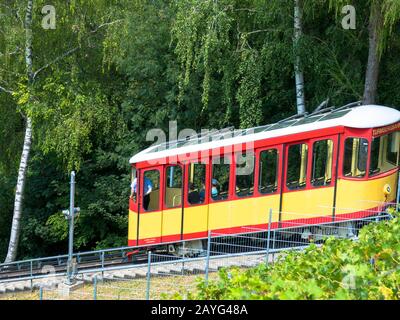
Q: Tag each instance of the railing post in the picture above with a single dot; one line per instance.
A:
(41, 293)
(148, 276)
(273, 245)
(95, 288)
(208, 256)
(31, 271)
(183, 258)
(269, 236)
(102, 265)
(398, 191)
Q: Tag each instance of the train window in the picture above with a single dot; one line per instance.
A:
(151, 190)
(220, 179)
(384, 153)
(355, 157)
(297, 166)
(245, 166)
(268, 171)
(173, 187)
(197, 178)
(134, 184)
(322, 163)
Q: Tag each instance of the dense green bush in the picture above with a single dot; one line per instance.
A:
(340, 269)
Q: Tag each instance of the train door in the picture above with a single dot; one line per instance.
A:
(195, 216)
(173, 205)
(133, 209)
(268, 182)
(150, 208)
(309, 179)
(220, 208)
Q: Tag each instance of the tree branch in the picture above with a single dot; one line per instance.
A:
(6, 90)
(106, 24)
(10, 53)
(71, 51)
(65, 54)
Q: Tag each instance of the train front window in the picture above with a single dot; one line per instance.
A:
(322, 163)
(268, 171)
(384, 153)
(245, 166)
(297, 166)
(173, 187)
(355, 157)
(151, 190)
(220, 178)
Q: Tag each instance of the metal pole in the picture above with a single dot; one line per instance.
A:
(102, 265)
(269, 235)
(71, 227)
(95, 288)
(148, 276)
(273, 245)
(208, 256)
(41, 293)
(398, 191)
(31, 275)
(183, 258)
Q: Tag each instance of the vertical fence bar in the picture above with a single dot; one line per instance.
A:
(398, 192)
(31, 271)
(273, 245)
(95, 288)
(183, 258)
(269, 236)
(102, 265)
(41, 293)
(208, 256)
(148, 276)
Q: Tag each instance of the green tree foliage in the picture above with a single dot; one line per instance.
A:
(340, 269)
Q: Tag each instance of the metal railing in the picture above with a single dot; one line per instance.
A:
(249, 247)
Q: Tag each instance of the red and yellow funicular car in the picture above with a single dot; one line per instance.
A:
(313, 168)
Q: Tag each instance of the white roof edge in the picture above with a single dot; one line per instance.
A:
(362, 117)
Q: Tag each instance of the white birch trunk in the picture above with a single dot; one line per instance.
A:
(23, 166)
(298, 72)
(19, 194)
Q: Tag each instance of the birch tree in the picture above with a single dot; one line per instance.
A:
(23, 29)
(383, 16)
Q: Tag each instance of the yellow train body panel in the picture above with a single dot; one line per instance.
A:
(353, 196)
(307, 203)
(150, 225)
(171, 222)
(243, 212)
(195, 219)
(132, 225)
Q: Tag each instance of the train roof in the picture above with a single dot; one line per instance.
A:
(353, 115)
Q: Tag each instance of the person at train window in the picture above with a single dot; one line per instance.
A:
(202, 193)
(194, 195)
(214, 188)
(148, 187)
(133, 189)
